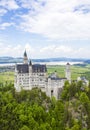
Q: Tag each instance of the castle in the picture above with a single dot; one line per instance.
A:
(28, 76)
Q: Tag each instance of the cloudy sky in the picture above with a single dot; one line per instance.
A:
(45, 28)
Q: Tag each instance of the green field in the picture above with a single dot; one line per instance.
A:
(75, 72)
(7, 76)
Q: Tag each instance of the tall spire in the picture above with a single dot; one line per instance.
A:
(25, 59)
(25, 54)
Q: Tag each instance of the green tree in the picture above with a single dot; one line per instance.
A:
(24, 128)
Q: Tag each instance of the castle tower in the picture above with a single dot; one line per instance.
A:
(30, 74)
(68, 72)
(25, 59)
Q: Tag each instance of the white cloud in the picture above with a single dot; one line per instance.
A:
(58, 20)
(43, 52)
(4, 25)
(15, 51)
(56, 51)
(33, 5)
(9, 4)
(63, 48)
(55, 19)
(2, 12)
(47, 48)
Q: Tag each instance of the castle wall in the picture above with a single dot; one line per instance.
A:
(27, 81)
(53, 87)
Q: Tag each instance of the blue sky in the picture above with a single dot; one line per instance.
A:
(45, 28)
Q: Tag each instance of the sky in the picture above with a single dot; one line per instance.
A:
(45, 28)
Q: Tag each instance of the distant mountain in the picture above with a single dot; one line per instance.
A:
(87, 61)
(64, 59)
(10, 60)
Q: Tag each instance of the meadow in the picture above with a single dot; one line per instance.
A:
(76, 71)
(6, 77)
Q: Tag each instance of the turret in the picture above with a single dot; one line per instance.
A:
(25, 59)
(68, 72)
(30, 63)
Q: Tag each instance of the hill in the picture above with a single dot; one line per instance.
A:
(33, 110)
(64, 59)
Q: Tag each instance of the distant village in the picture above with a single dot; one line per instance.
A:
(6, 68)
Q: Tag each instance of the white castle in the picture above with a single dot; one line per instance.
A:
(28, 76)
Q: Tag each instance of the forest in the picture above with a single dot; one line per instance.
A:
(33, 110)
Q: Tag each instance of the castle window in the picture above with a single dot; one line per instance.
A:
(40, 79)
